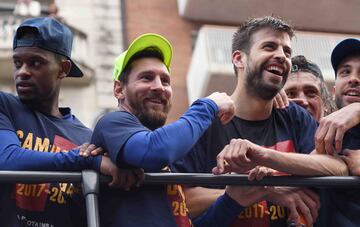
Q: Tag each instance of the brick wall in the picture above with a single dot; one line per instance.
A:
(161, 16)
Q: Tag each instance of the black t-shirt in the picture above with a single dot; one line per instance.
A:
(288, 130)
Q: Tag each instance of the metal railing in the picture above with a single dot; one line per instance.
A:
(88, 178)
(91, 182)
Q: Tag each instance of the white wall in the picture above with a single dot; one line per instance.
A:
(101, 21)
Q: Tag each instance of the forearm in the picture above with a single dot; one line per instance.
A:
(221, 213)
(303, 164)
(153, 150)
(17, 158)
(199, 199)
(14, 157)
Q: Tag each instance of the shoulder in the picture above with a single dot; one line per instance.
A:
(297, 119)
(216, 136)
(10, 103)
(75, 121)
(215, 128)
(118, 119)
(294, 112)
(293, 108)
(8, 98)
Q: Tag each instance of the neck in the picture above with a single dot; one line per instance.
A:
(250, 107)
(47, 108)
(123, 107)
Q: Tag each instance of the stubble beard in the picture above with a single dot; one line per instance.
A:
(36, 100)
(152, 119)
(339, 102)
(256, 85)
(339, 99)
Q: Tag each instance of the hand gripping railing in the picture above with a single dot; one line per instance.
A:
(91, 180)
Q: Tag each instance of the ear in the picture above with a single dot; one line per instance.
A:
(119, 90)
(238, 59)
(333, 92)
(65, 68)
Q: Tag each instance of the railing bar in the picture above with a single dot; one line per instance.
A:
(202, 179)
(92, 210)
(91, 187)
(199, 179)
(39, 176)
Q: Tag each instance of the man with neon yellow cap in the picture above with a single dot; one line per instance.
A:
(136, 136)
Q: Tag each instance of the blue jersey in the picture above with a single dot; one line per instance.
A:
(288, 130)
(48, 204)
(341, 206)
(128, 142)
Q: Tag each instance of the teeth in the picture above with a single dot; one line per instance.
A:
(155, 100)
(352, 93)
(275, 69)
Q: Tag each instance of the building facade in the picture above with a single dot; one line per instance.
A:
(199, 30)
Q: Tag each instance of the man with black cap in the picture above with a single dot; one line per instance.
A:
(339, 134)
(38, 135)
(135, 135)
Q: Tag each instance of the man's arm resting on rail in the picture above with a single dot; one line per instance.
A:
(14, 157)
(242, 155)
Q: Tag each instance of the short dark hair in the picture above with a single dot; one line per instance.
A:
(241, 38)
(146, 53)
(301, 64)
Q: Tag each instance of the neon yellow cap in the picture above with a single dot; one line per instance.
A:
(140, 43)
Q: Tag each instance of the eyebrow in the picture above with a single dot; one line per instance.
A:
(345, 66)
(152, 72)
(293, 88)
(310, 86)
(31, 55)
(289, 49)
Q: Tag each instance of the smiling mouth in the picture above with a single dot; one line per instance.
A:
(275, 70)
(352, 94)
(156, 103)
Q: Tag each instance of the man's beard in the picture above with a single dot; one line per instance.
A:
(150, 118)
(339, 97)
(339, 102)
(256, 85)
(35, 100)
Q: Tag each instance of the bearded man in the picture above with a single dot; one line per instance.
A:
(135, 136)
(261, 56)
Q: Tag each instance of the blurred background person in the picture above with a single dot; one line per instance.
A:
(306, 87)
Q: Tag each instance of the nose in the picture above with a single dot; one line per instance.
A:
(23, 71)
(280, 55)
(301, 100)
(355, 78)
(157, 84)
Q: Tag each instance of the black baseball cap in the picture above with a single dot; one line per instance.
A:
(345, 48)
(50, 35)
